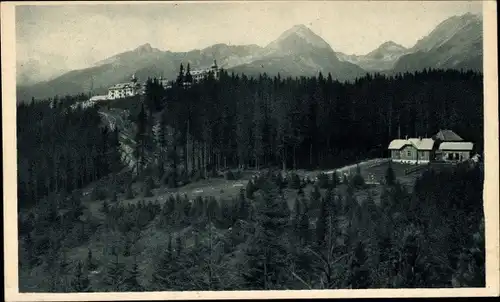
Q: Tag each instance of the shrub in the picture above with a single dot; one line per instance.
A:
(148, 187)
(129, 193)
(172, 181)
(237, 174)
(390, 178)
(300, 191)
(335, 180)
(228, 175)
(294, 182)
(98, 194)
(345, 180)
(114, 196)
(196, 175)
(184, 178)
(323, 181)
(105, 207)
(164, 179)
(358, 181)
(250, 189)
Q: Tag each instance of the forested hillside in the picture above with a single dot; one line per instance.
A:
(84, 224)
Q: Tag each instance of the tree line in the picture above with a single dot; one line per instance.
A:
(305, 122)
(62, 149)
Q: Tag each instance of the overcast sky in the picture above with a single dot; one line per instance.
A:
(84, 34)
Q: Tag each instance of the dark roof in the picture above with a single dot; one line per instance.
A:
(447, 136)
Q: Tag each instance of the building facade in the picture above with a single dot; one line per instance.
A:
(200, 74)
(412, 151)
(123, 90)
(446, 146)
(455, 151)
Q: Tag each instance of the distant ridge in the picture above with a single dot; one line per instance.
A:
(455, 43)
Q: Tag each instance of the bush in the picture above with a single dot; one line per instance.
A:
(250, 189)
(345, 180)
(335, 180)
(390, 177)
(294, 182)
(105, 207)
(358, 181)
(238, 174)
(323, 181)
(114, 196)
(165, 178)
(184, 178)
(300, 191)
(279, 181)
(148, 187)
(98, 194)
(129, 193)
(196, 175)
(228, 175)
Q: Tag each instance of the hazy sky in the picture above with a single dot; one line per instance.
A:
(84, 34)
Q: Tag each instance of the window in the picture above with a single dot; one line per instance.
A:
(408, 153)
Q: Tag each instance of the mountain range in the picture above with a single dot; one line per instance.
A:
(454, 43)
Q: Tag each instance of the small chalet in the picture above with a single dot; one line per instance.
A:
(452, 147)
(412, 150)
(446, 146)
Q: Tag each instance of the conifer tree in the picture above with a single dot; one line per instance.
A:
(131, 282)
(188, 77)
(267, 254)
(115, 274)
(360, 276)
(321, 223)
(315, 198)
(140, 140)
(81, 282)
(390, 178)
(181, 75)
(91, 265)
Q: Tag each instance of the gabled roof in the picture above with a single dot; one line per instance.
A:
(398, 144)
(446, 135)
(418, 143)
(458, 146)
(422, 143)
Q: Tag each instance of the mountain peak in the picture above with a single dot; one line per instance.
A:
(390, 44)
(300, 27)
(145, 48)
(448, 28)
(298, 37)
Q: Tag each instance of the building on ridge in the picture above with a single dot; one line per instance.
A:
(412, 150)
(445, 146)
(200, 74)
(123, 90)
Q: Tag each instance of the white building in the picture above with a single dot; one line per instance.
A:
(200, 74)
(455, 151)
(165, 83)
(123, 90)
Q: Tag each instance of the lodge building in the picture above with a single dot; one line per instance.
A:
(123, 90)
(445, 146)
(200, 74)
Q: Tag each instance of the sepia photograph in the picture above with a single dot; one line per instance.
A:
(228, 146)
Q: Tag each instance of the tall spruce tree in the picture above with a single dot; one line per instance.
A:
(267, 252)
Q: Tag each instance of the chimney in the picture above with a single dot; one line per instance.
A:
(406, 137)
(420, 138)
